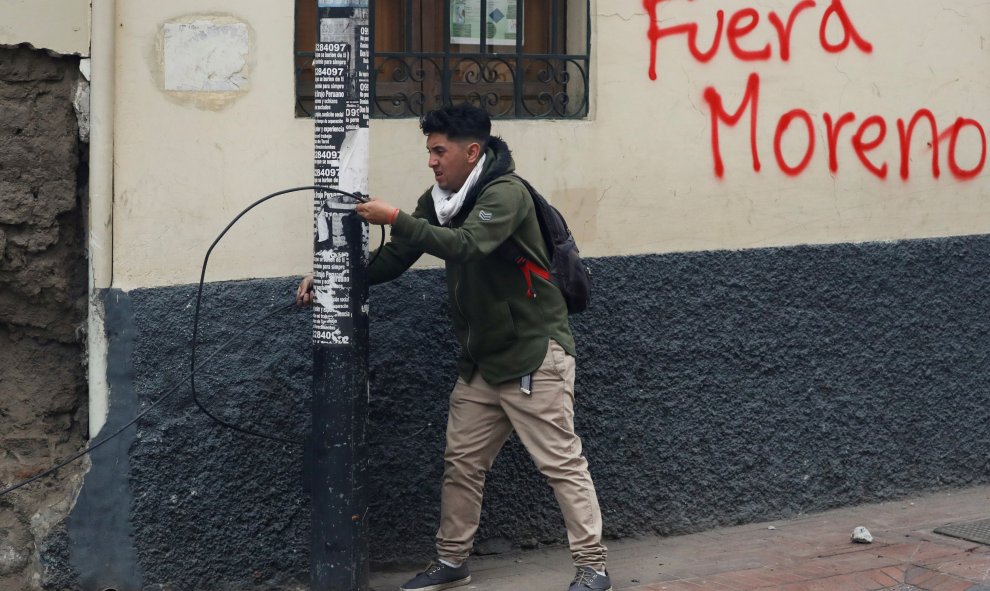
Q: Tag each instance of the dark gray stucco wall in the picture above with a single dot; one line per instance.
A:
(99, 527)
(713, 388)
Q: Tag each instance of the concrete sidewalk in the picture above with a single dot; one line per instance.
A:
(812, 552)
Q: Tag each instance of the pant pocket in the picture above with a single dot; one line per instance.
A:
(559, 358)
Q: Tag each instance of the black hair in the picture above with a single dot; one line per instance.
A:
(459, 122)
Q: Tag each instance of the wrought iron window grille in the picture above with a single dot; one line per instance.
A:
(420, 65)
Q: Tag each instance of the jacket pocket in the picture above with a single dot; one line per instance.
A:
(493, 332)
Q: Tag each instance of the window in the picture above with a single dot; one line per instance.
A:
(428, 53)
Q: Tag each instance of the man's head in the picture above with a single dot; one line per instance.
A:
(456, 138)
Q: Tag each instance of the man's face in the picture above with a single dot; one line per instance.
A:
(451, 160)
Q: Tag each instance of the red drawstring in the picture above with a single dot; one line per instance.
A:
(528, 267)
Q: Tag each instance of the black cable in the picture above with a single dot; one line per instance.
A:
(169, 392)
(381, 245)
(194, 368)
(199, 298)
(401, 439)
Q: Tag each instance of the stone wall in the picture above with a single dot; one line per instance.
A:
(42, 302)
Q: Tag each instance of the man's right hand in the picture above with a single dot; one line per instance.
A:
(304, 294)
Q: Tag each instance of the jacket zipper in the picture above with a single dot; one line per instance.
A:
(457, 300)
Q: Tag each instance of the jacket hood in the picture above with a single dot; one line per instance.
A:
(498, 163)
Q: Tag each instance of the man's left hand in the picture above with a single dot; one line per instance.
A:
(376, 212)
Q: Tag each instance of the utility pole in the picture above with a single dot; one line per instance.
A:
(339, 458)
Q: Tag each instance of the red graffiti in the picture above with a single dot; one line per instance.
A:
(751, 98)
(906, 134)
(870, 135)
(743, 22)
(861, 147)
(836, 33)
(849, 32)
(691, 30)
(737, 31)
(952, 135)
(832, 132)
(784, 31)
(782, 125)
(958, 172)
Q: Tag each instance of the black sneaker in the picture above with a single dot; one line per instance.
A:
(439, 576)
(587, 579)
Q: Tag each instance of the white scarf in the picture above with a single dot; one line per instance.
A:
(448, 203)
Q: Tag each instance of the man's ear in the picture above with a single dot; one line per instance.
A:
(474, 152)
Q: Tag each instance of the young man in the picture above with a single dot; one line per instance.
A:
(516, 366)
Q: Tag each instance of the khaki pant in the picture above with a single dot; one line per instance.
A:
(481, 418)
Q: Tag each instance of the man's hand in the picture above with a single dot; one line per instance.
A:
(377, 212)
(304, 294)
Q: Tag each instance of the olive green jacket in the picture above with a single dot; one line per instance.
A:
(503, 332)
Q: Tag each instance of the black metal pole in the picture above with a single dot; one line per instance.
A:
(339, 458)
(338, 450)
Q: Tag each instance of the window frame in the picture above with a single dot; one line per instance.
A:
(536, 78)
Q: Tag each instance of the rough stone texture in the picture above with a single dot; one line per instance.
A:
(713, 389)
(42, 300)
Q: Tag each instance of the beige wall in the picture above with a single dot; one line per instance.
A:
(61, 26)
(636, 177)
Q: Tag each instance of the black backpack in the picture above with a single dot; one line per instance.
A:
(567, 271)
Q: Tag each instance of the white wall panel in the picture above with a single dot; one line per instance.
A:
(639, 176)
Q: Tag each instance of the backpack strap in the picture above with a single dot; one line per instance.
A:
(511, 251)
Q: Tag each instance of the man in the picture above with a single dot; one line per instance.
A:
(516, 367)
